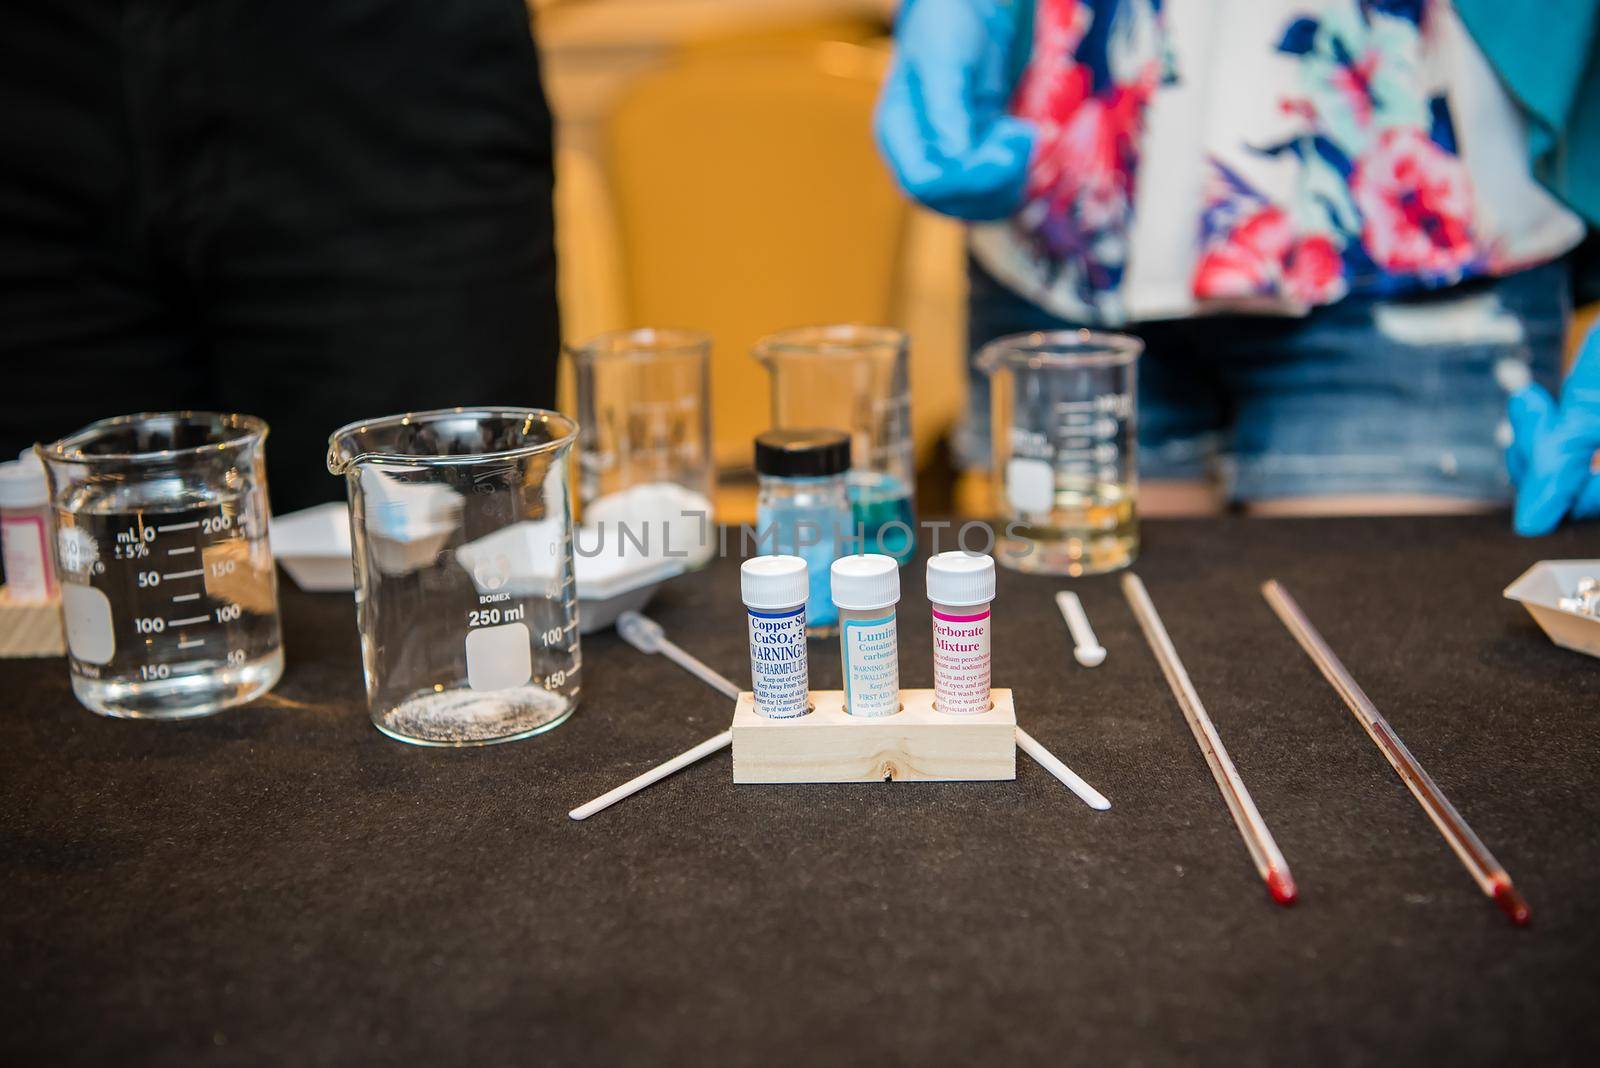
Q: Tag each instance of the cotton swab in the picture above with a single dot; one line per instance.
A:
(1086, 648)
(1258, 840)
(1069, 778)
(1488, 872)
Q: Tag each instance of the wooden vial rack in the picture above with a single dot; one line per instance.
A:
(916, 744)
(30, 628)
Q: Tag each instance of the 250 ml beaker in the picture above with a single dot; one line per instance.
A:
(856, 379)
(168, 592)
(1065, 439)
(644, 443)
(461, 533)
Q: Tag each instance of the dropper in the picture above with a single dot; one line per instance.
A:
(646, 635)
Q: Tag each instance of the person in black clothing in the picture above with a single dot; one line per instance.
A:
(312, 212)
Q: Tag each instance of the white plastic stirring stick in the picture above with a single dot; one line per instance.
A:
(646, 635)
(1268, 859)
(654, 775)
(1086, 648)
(1069, 778)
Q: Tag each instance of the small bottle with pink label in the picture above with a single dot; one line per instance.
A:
(961, 589)
(25, 530)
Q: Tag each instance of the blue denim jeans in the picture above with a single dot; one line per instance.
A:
(1373, 395)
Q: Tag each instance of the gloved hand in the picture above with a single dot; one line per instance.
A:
(1553, 446)
(942, 118)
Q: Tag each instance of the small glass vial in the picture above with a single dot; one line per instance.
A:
(866, 589)
(774, 591)
(803, 509)
(961, 589)
(25, 530)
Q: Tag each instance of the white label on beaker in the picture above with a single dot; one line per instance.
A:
(778, 677)
(499, 658)
(1030, 484)
(87, 615)
(961, 661)
(871, 667)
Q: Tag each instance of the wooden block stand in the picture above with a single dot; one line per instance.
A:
(30, 629)
(916, 744)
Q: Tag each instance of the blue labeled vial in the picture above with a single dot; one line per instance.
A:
(803, 509)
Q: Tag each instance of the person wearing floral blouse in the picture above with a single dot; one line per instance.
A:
(1318, 215)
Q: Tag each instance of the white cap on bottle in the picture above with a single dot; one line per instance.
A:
(865, 581)
(768, 583)
(960, 579)
(22, 483)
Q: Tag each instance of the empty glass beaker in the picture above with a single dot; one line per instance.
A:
(168, 593)
(1064, 433)
(644, 441)
(461, 533)
(856, 379)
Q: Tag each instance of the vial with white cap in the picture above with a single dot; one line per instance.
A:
(774, 590)
(25, 526)
(961, 589)
(866, 588)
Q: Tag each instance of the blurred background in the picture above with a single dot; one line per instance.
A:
(715, 169)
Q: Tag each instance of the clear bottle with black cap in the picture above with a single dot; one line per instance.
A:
(803, 509)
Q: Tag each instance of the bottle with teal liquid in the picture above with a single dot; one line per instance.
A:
(882, 514)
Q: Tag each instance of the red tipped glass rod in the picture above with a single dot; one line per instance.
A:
(1490, 875)
(1263, 850)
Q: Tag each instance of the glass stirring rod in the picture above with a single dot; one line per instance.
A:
(1491, 877)
(1269, 862)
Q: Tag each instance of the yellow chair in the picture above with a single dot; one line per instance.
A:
(749, 196)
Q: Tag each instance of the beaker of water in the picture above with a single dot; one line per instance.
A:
(645, 468)
(1064, 434)
(461, 535)
(856, 379)
(168, 593)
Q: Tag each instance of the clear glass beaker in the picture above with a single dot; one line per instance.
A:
(461, 534)
(168, 593)
(1065, 438)
(644, 439)
(856, 379)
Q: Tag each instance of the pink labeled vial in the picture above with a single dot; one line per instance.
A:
(26, 529)
(961, 588)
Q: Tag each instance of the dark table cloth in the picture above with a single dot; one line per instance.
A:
(281, 884)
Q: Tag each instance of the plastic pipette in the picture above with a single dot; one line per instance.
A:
(646, 635)
(1491, 877)
(1264, 851)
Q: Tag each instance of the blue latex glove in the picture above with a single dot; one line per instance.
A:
(942, 119)
(1553, 446)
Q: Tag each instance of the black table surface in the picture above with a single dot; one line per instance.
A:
(282, 884)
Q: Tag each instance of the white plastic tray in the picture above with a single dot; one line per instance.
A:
(314, 548)
(1540, 589)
